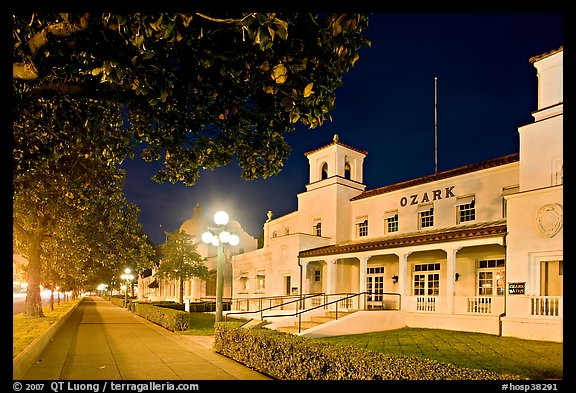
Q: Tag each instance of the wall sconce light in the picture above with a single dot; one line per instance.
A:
(395, 279)
(456, 276)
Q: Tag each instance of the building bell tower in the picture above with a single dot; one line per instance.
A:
(336, 176)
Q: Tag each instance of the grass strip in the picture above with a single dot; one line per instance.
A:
(27, 329)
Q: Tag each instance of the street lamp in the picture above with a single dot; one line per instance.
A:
(126, 277)
(218, 236)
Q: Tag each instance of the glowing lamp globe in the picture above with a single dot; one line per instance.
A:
(234, 240)
(221, 218)
(207, 237)
(224, 236)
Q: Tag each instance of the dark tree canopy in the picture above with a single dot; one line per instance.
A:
(198, 91)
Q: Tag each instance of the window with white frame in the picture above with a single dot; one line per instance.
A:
(426, 279)
(317, 275)
(391, 221)
(260, 281)
(425, 216)
(465, 209)
(317, 227)
(362, 228)
(375, 283)
(491, 277)
(244, 282)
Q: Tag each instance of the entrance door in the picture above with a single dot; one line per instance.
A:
(375, 287)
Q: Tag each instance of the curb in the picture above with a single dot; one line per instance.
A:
(24, 359)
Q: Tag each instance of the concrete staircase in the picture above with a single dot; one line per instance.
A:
(313, 321)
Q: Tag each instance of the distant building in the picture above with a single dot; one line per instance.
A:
(151, 288)
(477, 248)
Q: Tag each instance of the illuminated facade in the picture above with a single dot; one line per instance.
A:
(153, 289)
(477, 248)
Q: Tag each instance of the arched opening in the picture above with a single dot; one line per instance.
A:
(347, 170)
(324, 174)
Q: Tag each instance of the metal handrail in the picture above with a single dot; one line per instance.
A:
(261, 310)
(260, 300)
(326, 303)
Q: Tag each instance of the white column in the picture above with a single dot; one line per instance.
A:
(303, 283)
(330, 276)
(363, 267)
(403, 279)
(450, 271)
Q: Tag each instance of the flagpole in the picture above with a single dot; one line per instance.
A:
(435, 125)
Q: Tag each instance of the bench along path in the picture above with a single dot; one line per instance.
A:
(103, 341)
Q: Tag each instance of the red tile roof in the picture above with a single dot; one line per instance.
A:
(440, 175)
(534, 59)
(336, 141)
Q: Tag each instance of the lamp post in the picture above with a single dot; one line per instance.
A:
(218, 236)
(127, 276)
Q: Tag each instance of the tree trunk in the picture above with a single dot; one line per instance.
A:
(51, 300)
(33, 303)
(181, 294)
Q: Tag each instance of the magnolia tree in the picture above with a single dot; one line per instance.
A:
(196, 91)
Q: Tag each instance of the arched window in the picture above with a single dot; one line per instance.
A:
(347, 170)
(324, 174)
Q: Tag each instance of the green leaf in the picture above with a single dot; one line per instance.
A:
(308, 90)
(279, 74)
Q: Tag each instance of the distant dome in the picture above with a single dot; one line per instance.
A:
(196, 225)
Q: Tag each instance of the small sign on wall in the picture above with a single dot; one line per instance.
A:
(516, 288)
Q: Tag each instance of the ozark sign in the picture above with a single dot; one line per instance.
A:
(516, 288)
(435, 195)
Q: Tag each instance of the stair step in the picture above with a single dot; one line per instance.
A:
(321, 319)
(308, 324)
(288, 329)
(314, 321)
(340, 313)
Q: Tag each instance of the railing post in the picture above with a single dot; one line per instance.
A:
(299, 321)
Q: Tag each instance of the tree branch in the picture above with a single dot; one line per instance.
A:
(59, 30)
(19, 228)
(24, 71)
(29, 71)
(229, 20)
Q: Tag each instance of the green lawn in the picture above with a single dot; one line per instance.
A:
(27, 329)
(201, 325)
(528, 358)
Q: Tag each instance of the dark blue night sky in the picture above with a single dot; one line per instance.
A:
(486, 90)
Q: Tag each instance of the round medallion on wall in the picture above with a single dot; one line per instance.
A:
(549, 219)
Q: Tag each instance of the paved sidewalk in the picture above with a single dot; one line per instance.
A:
(104, 341)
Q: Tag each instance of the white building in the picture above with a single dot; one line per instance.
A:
(195, 289)
(477, 248)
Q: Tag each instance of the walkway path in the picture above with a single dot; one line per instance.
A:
(103, 341)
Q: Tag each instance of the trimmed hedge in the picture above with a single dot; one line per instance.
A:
(194, 306)
(288, 357)
(174, 320)
(119, 300)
